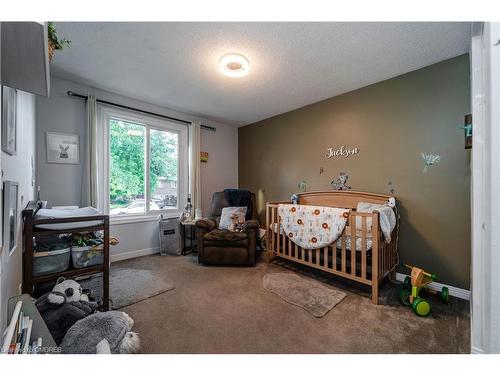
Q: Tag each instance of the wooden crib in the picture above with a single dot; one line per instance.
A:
(369, 265)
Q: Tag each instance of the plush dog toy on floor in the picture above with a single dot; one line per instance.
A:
(102, 333)
(63, 306)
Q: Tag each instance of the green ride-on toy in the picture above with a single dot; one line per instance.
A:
(412, 285)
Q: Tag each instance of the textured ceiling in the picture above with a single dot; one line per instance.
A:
(292, 64)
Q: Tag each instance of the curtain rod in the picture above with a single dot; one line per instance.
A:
(206, 127)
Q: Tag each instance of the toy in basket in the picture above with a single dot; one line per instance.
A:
(412, 286)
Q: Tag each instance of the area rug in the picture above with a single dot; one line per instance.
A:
(311, 295)
(130, 285)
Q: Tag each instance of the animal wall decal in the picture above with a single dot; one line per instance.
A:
(302, 186)
(430, 160)
(341, 182)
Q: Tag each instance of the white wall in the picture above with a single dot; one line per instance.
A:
(61, 184)
(18, 168)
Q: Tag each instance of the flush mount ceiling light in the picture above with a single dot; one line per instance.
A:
(234, 65)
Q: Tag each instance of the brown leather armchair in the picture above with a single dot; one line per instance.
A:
(221, 246)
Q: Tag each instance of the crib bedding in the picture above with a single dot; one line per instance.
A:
(312, 227)
(387, 218)
(45, 213)
(348, 243)
(319, 217)
(274, 228)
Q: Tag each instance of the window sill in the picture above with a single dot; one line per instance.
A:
(131, 219)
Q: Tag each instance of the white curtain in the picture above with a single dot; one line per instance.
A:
(194, 164)
(90, 175)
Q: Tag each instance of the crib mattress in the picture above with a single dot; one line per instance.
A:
(348, 241)
(45, 213)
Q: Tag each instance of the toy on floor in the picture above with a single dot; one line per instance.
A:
(102, 333)
(410, 294)
(63, 306)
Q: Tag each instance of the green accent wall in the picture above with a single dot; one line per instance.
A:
(392, 123)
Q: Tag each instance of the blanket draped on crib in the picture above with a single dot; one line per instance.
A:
(387, 218)
(312, 227)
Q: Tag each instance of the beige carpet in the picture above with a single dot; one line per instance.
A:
(226, 310)
(304, 292)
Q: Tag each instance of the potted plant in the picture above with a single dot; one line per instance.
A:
(54, 41)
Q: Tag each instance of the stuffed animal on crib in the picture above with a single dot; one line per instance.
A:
(63, 307)
(237, 222)
(102, 333)
(391, 202)
(341, 183)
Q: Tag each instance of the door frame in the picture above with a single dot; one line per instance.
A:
(485, 99)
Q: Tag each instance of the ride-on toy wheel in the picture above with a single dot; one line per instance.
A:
(404, 297)
(445, 294)
(421, 307)
(407, 282)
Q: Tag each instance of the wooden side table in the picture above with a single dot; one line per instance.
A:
(188, 232)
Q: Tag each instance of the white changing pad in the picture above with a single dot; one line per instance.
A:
(45, 213)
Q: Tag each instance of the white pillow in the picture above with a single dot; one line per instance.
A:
(227, 212)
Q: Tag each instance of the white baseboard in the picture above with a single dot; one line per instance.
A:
(122, 255)
(454, 291)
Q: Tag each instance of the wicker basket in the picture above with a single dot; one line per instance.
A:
(52, 48)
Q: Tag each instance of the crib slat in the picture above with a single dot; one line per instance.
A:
(353, 245)
(278, 236)
(272, 229)
(290, 247)
(318, 255)
(334, 254)
(283, 238)
(363, 247)
(325, 257)
(343, 256)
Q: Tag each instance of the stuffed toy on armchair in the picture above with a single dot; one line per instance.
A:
(63, 307)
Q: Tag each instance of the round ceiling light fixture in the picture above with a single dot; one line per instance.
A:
(234, 65)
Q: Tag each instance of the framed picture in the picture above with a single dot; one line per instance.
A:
(9, 120)
(468, 131)
(63, 148)
(10, 210)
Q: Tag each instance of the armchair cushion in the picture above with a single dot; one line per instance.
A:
(250, 224)
(225, 235)
(206, 224)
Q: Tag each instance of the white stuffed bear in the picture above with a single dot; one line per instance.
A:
(391, 202)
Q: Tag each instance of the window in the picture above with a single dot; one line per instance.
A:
(147, 164)
(163, 169)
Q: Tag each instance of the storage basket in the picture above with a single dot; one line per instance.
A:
(170, 239)
(52, 49)
(87, 256)
(51, 261)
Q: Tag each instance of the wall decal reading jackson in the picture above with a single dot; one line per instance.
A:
(342, 151)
